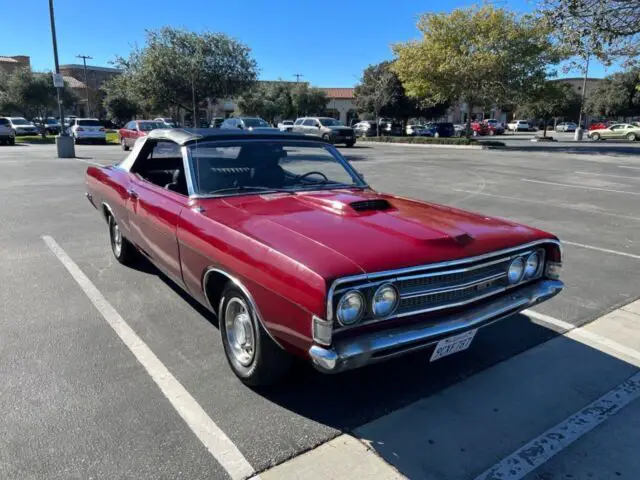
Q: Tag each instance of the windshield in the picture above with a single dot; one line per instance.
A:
(250, 167)
(287, 122)
(255, 122)
(52, 121)
(330, 122)
(20, 121)
(89, 123)
(148, 126)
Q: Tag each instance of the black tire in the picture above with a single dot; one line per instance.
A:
(3, 141)
(268, 363)
(123, 144)
(11, 141)
(125, 252)
(631, 137)
(326, 138)
(595, 136)
(350, 144)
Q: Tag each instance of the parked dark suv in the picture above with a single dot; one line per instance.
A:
(328, 128)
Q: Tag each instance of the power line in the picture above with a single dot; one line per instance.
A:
(86, 80)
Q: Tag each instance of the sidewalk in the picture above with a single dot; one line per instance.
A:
(477, 428)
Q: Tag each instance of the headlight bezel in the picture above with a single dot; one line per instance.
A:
(361, 313)
(386, 285)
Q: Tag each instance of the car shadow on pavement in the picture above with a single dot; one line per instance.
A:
(348, 400)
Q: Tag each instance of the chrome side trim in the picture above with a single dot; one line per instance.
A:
(432, 266)
(186, 160)
(382, 345)
(243, 289)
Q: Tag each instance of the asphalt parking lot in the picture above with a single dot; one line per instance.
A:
(77, 404)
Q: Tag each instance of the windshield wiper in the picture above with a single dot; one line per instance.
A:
(248, 188)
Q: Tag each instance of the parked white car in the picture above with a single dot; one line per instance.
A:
(7, 134)
(22, 126)
(518, 126)
(87, 130)
(566, 127)
(285, 126)
(413, 129)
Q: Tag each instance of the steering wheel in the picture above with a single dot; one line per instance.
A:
(305, 175)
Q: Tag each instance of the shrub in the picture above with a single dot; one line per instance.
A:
(435, 141)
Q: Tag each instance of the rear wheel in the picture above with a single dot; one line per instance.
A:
(595, 136)
(326, 138)
(123, 144)
(122, 249)
(350, 144)
(12, 141)
(631, 137)
(253, 356)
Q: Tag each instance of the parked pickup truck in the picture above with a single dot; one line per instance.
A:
(279, 236)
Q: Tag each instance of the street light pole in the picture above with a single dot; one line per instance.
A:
(86, 80)
(64, 143)
(579, 131)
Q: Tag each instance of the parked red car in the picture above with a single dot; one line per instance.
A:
(282, 239)
(598, 126)
(136, 129)
(479, 128)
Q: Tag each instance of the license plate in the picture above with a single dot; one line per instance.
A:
(454, 344)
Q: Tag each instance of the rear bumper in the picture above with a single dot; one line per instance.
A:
(379, 346)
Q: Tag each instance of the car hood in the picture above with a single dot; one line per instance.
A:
(344, 232)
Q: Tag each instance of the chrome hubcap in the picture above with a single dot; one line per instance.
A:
(239, 329)
(117, 239)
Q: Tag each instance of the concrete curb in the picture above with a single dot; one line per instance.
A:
(423, 145)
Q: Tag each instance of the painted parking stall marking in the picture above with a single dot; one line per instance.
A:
(211, 436)
(538, 451)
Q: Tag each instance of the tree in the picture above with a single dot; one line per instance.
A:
(480, 56)
(32, 94)
(270, 101)
(308, 100)
(546, 100)
(380, 90)
(178, 68)
(606, 29)
(617, 95)
(120, 101)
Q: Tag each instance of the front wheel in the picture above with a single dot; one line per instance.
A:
(12, 141)
(123, 144)
(350, 144)
(253, 356)
(326, 138)
(631, 137)
(122, 249)
(595, 136)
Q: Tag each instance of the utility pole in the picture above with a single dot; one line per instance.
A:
(86, 80)
(298, 75)
(64, 143)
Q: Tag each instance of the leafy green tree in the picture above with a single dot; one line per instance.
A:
(179, 68)
(546, 100)
(379, 91)
(269, 100)
(617, 95)
(120, 101)
(32, 94)
(308, 100)
(480, 56)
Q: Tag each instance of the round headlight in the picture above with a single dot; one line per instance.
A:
(384, 300)
(531, 265)
(350, 308)
(516, 270)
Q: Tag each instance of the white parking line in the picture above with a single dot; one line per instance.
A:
(539, 202)
(625, 166)
(608, 175)
(605, 250)
(541, 449)
(579, 186)
(214, 439)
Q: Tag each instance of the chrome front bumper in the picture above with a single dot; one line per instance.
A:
(379, 346)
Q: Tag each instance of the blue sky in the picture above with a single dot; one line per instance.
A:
(330, 43)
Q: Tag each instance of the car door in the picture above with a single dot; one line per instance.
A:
(154, 210)
(615, 131)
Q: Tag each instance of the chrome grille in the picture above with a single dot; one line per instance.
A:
(429, 289)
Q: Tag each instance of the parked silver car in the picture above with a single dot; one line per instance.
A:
(328, 128)
(566, 127)
(22, 126)
(248, 123)
(7, 134)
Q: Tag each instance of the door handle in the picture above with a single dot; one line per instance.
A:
(132, 193)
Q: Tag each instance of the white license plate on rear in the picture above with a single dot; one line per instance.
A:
(454, 344)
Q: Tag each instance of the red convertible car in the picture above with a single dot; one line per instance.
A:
(282, 239)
